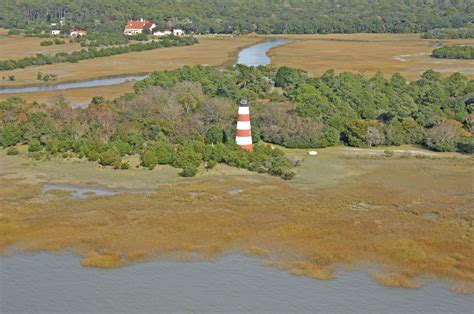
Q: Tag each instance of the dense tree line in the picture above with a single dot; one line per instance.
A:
(450, 33)
(341, 109)
(90, 53)
(243, 16)
(454, 52)
(186, 118)
(178, 126)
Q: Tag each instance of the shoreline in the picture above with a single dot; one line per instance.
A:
(337, 211)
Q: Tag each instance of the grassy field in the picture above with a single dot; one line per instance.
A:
(16, 47)
(209, 51)
(411, 216)
(217, 50)
(368, 54)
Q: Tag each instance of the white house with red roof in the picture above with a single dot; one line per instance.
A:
(77, 32)
(137, 27)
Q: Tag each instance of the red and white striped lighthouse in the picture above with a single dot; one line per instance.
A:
(243, 136)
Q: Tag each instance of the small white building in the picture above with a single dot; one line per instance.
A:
(77, 32)
(55, 32)
(178, 32)
(164, 32)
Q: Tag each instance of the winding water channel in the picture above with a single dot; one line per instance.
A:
(252, 56)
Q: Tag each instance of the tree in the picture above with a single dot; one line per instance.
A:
(373, 137)
(214, 135)
(10, 134)
(444, 136)
(217, 111)
(189, 95)
(164, 153)
(287, 76)
(104, 116)
(187, 157)
(149, 159)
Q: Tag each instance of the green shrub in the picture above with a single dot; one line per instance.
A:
(11, 151)
(466, 145)
(164, 154)
(92, 155)
(211, 164)
(109, 157)
(189, 170)
(46, 43)
(10, 134)
(149, 159)
(214, 135)
(35, 146)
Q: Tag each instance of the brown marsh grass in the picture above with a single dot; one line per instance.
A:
(209, 51)
(305, 229)
(102, 260)
(17, 47)
(463, 287)
(368, 54)
(395, 280)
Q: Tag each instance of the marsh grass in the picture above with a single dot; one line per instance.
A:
(463, 287)
(136, 256)
(368, 54)
(102, 260)
(257, 251)
(396, 280)
(312, 270)
(209, 51)
(304, 231)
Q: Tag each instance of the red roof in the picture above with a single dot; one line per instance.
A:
(78, 31)
(139, 24)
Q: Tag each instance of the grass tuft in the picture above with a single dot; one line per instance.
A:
(105, 260)
(312, 270)
(257, 251)
(396, 280)
(463, 287)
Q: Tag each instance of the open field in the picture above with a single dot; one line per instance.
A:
(209, 51)
(368, 54)
(17, 47)
(412, 216)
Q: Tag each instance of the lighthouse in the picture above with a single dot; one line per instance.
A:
(243, 136)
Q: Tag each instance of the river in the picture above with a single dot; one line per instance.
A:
(252, 56)
(57, 283)
(256, 55)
